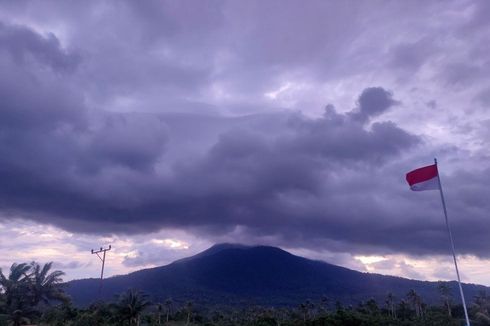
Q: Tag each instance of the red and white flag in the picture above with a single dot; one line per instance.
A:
(425, 178)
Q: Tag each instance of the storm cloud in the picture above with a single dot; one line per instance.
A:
(281, 122)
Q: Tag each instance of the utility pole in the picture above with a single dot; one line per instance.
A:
(102, 259)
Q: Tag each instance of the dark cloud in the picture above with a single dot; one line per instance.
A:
(133, 141)
(23, 44)
(372, 102)
(36, 102)
(412, 55)
(93, 137)
(109, 172)
(272, 175)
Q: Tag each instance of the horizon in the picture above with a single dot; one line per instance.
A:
(161, 128)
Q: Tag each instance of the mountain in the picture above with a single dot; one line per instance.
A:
(229, 274)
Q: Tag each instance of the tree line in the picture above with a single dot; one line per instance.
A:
(32, 294)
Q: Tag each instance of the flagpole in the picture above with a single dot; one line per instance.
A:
(452, 245)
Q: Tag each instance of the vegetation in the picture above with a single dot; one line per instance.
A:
(33, 294)
(28, 290)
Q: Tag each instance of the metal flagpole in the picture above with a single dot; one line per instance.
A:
(452, 245)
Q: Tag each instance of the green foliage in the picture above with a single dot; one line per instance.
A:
(130, 306)
(28, 292)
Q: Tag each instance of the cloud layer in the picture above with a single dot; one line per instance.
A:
(215, 119)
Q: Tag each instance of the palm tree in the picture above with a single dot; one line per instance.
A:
(16, 293)
(2, 301)
(445, 292)
(372, 307)
(310, 306)
(390, 302)
(15, 286)
(324, 305)
(130, 306)
(168, 306)
(17, 318)
(304, 310)
(482, 305)
(45, 285)
(159, 307)
(416, 302)
(188, 308)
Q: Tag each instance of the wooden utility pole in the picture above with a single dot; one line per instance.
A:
(102, 259)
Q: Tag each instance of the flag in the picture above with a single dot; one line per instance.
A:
(425, 178)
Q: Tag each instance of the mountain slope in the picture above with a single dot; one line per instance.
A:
(236, 274)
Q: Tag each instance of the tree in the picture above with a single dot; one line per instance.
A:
(323, 305)
(416, 302)
(390, 302)
(482, 307)
(17, 318)
(98, 313)
(130, 306)
(310, 306)
(45, 285)
(59, 315)
(15, 286)
(446, 296)
(168, 306)
(188, 308)
(372, 307)
(159, 307)
(26, 286)
(304, 310)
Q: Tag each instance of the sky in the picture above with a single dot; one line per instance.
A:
(163, 127)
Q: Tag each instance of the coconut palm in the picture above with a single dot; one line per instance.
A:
(446, 297)
(303, 307)
(130, 306)
(390, 302)
(2, 301)
(324, 305)
(416, 302)
(310, 306)
(372, 307)
(159, 308)
(482, 306)
(168, 306)
(188, 308)
(45, 285)
(17, 318)
(15, 286)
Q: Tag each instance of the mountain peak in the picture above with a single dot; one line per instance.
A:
(227, 245)
(220, 247)
(228, 273)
